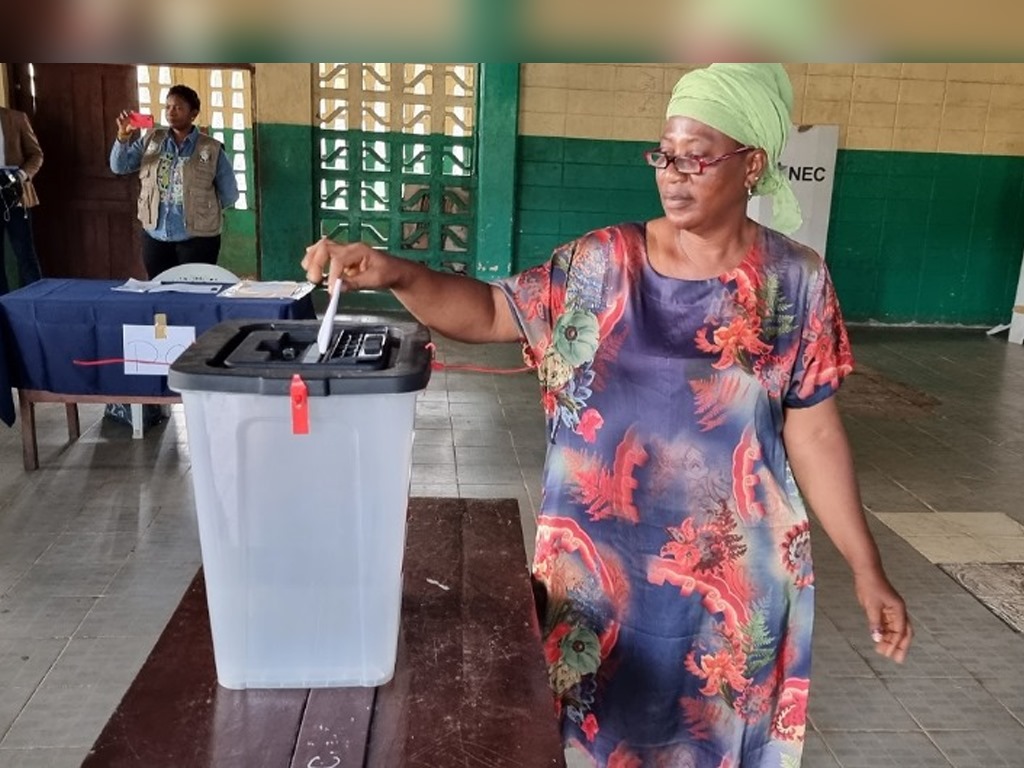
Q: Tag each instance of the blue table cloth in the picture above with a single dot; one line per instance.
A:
(47, 325)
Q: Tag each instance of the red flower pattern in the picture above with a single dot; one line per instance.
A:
(827, 358)
(720, 670)
(733, 342)
(590, 422)
(622, 757)
(796, 553)
(790, 717)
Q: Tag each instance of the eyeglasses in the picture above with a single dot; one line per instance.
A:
(688, 164)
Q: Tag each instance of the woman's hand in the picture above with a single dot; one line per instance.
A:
(887, 617)
(124, 126)
(359, 266)
(459, 307)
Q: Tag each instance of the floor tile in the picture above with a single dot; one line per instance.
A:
(999, 586)
(856, 704)
(950, 704)
(128, 616)
(98, 518)
(981, 524)
(26, 661)
(63, 716)
(65, 579)
(490, 474)
(42, 617)
(816, 753)
(425, 453)
(90, 548)
(1009, 548)
(442, 437)
(51, 757)
(99, 661)
(12, 700)
(166, 579)
(884, 750)
(832, 655)
(988, 748)
(954, 549)
(434, 474)
(1009, 691)
(444, 490)
(919, 524)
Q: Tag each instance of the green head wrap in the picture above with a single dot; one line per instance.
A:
(750, 103)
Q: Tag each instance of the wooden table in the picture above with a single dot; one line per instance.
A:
(470, 686)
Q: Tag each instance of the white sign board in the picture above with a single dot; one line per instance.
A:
(149, 350)
(809, 162)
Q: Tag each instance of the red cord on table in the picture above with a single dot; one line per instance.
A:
(116, 361)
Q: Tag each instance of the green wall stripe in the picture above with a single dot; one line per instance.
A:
(913, 237)
(570, 186)
(497, 129)
(926, 237)
(284, 154)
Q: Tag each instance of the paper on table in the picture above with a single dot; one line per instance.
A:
(155, 286)
(131, 285)
(255, 289)
(147, 355)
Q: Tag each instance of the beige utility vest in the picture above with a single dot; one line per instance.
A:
(202, 206)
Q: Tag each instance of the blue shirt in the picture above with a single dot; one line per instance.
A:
(126, 157)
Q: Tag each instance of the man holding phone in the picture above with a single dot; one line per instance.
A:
(187, 181)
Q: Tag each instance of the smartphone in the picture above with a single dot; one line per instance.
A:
(139, 120)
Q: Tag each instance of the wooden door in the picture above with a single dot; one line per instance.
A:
(85, 225)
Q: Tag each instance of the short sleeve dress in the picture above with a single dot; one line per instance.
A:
(673, 549)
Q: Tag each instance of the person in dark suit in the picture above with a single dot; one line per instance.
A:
(20, 160)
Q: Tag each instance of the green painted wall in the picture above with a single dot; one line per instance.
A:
(284, 157)
(570, 186)
(926, 237)
(498, 115)
(238, 243)
(913, 237)
(238, 240)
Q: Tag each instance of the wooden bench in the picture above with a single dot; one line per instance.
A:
(470, 685)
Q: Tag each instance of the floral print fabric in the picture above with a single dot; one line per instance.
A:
(673, 548)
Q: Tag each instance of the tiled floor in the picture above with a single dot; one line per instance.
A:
(97, 547)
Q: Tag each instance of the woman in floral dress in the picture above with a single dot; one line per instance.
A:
(687, 367)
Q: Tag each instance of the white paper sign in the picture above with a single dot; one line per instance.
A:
(146, 355)
(809, 162)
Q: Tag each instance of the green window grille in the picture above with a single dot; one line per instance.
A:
(396, 159)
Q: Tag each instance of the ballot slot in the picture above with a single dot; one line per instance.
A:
(365, 347)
